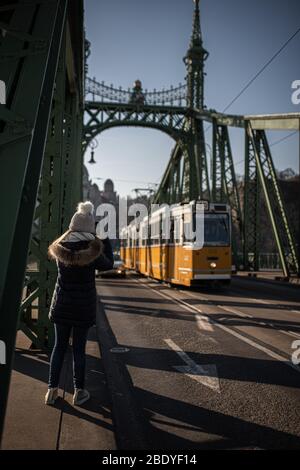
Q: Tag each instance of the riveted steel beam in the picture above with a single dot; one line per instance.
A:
(264, 169)
(30, 88)
(251, 206)
(224, 183)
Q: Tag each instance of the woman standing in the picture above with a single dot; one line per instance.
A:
(78, 253)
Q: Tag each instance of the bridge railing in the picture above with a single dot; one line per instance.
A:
(266, 261)
(173, 96)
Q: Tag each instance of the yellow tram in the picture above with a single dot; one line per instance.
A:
(158, 245)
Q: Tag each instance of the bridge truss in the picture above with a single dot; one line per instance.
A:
(180, 113)
(41, 159)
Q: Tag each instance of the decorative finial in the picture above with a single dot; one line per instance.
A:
(194, 60)
(196, 38)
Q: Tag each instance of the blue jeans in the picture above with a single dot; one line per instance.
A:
(62, 335)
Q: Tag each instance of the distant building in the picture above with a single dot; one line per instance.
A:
(108, 195)
(286, 174)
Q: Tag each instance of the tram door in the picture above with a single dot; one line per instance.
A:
(170, 259)
(178, 242)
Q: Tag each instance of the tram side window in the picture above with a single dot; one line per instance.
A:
(155, 231)
(172, 230)
(151, 233)
(188, 228)
(142, 236)
(147, 234)
(165, 230)
(177, 224)
(158, 231)
(162, 230)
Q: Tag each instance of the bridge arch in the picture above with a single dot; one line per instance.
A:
(104, 116)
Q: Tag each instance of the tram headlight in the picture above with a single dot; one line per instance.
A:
(213, 265)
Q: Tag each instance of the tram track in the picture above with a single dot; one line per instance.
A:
(246, 315)
(263, 346)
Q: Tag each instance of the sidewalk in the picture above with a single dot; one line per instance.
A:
(269, 276)
(30, 424)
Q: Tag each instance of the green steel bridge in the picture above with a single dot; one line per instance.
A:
(52, 114)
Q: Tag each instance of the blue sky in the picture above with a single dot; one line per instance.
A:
(142, 39)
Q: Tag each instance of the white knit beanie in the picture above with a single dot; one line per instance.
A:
(83, 220)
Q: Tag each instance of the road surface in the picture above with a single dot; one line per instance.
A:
(201, 369)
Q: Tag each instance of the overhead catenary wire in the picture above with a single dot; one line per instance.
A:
(283, 138)
(259, 72)
(240, 93)
(273, 144)
(262, 69)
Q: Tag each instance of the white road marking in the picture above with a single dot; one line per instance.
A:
(201, 326)
(205, 374)
(295, 311)
(237, 335)
(203, 323)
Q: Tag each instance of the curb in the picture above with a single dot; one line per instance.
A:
(270, 282)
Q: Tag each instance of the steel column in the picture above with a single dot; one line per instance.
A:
(22, 158)
(274, 201)
(251, 206)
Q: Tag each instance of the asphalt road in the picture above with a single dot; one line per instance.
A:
(201, 369)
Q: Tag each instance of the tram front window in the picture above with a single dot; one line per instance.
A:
(216, 229)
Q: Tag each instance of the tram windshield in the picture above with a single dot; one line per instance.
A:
(216, 229)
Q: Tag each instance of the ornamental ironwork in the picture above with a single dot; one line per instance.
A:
(99, 91)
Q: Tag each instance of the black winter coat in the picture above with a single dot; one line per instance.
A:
(74, 299)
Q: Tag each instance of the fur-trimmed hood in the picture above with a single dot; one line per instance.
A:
(83, 257)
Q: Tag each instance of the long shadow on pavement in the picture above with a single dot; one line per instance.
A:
(224, 431)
